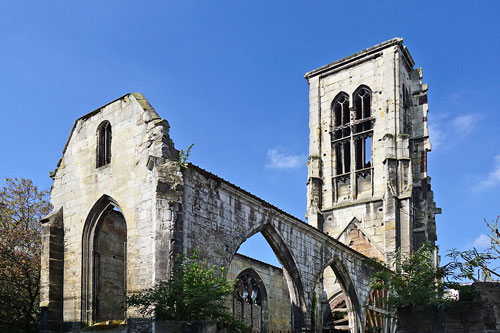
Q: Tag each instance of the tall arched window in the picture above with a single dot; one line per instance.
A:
(363, 128)
(250, 300)
(103, 144)
(341, 133)
(104, 263)
(351, 134)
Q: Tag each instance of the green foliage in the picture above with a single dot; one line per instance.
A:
(195, 291)
(184, 155)
(464, 264)
(415, 280)
(22, 206)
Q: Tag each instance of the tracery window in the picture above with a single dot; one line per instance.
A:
(342, 133)
(352, 131)
(248, 298)
(103, 144)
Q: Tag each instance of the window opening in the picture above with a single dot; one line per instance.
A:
(247, 300)
(368, 150)
(103, 144)
(363, 128)
(407, 102)
(104, 264)
(341, 133)
(352, 133)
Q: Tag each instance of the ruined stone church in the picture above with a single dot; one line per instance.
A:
(124, 207)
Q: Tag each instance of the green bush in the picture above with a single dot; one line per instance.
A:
(415, 281)
(195, 291)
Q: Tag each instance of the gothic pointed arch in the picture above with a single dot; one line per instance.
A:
(363, 127)
(341, 133)
(103, 149)
(290, 271)
(362, 101)
(346, 300)
(356, 237)
(104, 263)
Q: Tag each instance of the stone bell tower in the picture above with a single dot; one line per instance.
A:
(368, 143)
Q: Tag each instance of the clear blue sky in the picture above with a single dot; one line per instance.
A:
(228, 76)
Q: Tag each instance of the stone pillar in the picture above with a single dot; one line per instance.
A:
(52, 273)
(168, 215)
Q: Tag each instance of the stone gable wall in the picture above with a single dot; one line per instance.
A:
(137, 133)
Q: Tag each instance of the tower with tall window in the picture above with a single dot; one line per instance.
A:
(367, 168)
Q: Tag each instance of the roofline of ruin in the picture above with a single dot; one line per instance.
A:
(357, 57)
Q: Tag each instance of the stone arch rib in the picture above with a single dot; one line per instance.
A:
(349, 291)
(292, 275)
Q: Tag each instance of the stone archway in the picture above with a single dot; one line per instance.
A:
(104, 263)
(292, 276)
(290, 271)
(343, 301)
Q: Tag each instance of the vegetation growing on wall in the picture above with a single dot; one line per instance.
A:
(184, 156)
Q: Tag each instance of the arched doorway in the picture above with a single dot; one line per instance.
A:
(104, 263)
(342, 312)
(250, 300)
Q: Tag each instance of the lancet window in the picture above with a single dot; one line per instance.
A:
(342, 133)
(363, 128)
(103, 144)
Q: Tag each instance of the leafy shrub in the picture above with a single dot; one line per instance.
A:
(195, 291)
(415, 281)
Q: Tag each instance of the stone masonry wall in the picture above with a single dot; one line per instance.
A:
(168, 209)
(137, 134)
(218, 217)
(481, 314)
(279, 306)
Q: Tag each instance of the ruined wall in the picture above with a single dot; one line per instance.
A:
(480, 314)
(278, 306)
(218, 217)
(137, 133)
(168, 208)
